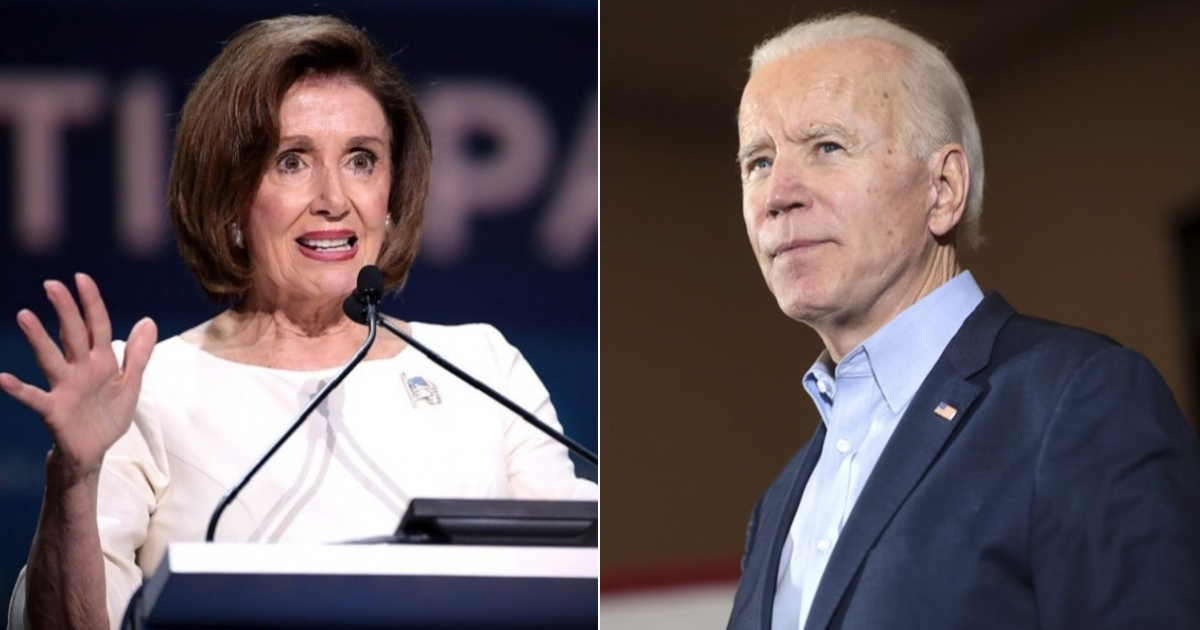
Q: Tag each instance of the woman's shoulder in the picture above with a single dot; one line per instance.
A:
(170, 350)
(464, 334)
(472, 342)
(478, 344)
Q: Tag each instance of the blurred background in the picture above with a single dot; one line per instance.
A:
(1090, 113)
(89, 94)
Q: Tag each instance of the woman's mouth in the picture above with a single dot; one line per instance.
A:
(328, 244)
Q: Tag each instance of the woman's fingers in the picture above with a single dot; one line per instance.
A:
(45, 351)
(71, 329)
(137, 355)
(26, 394)
(89, 403)
(96, 314)
(141, 342)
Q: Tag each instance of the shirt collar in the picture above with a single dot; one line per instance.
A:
(902, 353)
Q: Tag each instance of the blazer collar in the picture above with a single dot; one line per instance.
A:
(941, 404)
(971, 349)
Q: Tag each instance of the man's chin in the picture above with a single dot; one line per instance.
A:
(803, 308)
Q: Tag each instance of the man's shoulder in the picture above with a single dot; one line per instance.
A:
(1041, 344)
(1039, 359)
(1026, 333)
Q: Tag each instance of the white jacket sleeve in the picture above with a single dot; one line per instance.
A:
(538, 465)
(133, 477)
(132, 480)
(16, 605)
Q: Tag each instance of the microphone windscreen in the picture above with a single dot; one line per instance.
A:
(370, 284)
(354, 309)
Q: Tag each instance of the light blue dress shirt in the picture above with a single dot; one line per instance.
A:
(861, 401)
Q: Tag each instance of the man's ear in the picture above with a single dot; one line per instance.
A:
(951, 179)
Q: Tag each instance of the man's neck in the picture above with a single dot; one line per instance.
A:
(842, 336)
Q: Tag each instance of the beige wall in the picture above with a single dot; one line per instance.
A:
(1093, 147)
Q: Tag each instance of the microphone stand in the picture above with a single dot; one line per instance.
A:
(226, 500)
(373, 317)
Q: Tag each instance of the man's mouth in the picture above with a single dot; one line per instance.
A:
(795, 246)
(328, 244)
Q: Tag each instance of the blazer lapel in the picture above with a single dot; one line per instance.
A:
(778, 523)
(913, 448)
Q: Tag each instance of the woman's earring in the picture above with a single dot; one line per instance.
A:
(239, 240)
(387, 223)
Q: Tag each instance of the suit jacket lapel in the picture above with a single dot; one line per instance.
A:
(913, 448)
(777, 522)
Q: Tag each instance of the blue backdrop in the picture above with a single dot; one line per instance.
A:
(89, 92)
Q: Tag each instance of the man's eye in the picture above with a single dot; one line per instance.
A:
(758, 164)
(828, 147)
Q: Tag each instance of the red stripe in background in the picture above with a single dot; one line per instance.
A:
(623, 580)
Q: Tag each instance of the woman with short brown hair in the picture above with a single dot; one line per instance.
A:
(300, 157)
(231, 119)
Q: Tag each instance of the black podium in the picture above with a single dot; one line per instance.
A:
(235, 585)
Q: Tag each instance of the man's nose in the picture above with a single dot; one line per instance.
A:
(786, 189)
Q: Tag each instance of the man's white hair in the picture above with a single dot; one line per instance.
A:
(937, 107)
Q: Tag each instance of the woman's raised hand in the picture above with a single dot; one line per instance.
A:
(91, 399)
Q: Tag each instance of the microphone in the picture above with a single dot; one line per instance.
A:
(370, 287)
(356, 307)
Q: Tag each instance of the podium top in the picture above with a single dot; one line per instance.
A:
(351, 559)
(302, 585)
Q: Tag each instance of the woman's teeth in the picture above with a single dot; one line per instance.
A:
(327, 244)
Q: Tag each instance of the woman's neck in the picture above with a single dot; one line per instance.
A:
(309, 339)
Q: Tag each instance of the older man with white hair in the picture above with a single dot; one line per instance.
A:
(974, 468)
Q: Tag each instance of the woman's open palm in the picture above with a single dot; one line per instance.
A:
(91, 399)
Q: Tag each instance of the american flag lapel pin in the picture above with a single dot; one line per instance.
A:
(947, 412)
(420, 389)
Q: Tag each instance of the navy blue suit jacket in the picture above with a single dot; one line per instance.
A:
(1065, 493)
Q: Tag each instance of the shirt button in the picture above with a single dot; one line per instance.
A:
(821, 387)
(824, 544)
(843, 446)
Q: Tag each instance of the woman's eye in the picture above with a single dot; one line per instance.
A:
(289, 163)
(363, 162)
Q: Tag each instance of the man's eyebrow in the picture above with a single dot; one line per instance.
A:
(818, 131)
(811, 133)
(745, 152)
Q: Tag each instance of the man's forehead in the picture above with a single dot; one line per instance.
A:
(827, 72)
(780, 87)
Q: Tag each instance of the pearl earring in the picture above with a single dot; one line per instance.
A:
(239, 240)
(387, 223)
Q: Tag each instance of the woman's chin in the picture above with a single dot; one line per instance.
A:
(327, 287)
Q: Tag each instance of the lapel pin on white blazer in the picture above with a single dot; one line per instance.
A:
(421, 389)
